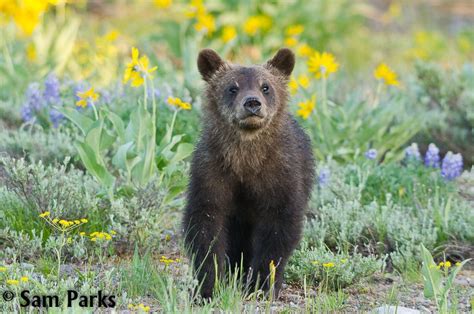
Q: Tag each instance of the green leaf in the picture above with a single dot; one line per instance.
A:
(84, 123)
(431, 275)
(91, 163)
(118, 124)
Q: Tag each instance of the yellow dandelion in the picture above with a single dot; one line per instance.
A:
(294, 30)
(86, 97)
(83, 220)
(385, 74)
(112, 232)
(93, 239)
(322, 64)
(306, 108)
(177, 102)
(45, 214)
(82, 234)
(24, 279)
(77, 222)
(55, 220)
(3, 269)
(291, 42)
(228, 33)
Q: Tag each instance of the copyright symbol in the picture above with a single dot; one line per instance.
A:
(8, 295)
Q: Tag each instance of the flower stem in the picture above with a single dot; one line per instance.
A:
(96, 114)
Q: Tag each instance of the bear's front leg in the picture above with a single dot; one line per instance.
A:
(274, 242)
(204, 232)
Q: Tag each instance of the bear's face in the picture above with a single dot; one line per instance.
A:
(246, 97)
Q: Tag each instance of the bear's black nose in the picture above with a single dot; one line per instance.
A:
(252, 105)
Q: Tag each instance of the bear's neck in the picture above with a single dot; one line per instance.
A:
(245, 153)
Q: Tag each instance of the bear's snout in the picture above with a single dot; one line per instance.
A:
(252, 105)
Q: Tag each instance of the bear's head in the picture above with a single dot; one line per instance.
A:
(246, 97)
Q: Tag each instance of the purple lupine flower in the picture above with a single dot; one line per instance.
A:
(412, 152)
(33, 97)
(51, 89)
(26, 113)
(432, 156)
(452, 166)
(324, 176)
(371, 154)
(56, 117)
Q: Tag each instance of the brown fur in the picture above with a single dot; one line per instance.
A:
(251, 174)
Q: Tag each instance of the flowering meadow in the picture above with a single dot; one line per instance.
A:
(101, 106)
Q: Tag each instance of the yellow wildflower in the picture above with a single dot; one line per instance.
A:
(137, 69)
(458, 264)
(111, 35)
(196, 8)
(294, 30)
(83, 220)
(306, 108)
(328, 265)
(112, 232)
(228, 33)
(86, 97)
(24, 279)
(143, 307)
(205, 23)
(293, 85)
(77, 222)
(303, 81)
(45, 214)
(163, 4)
(13, 282)
(165, 260)
(3, 269)
(386, 74)
(82, 234)
(55, 220)
(304, 50)
(315, 262)
(175, 101)
(257, 23)
(322, 64)
(31, 52)
(291, 42)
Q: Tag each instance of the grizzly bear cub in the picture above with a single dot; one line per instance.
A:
(251, 174)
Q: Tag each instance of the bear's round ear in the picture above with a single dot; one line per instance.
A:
(283, 61)
(208, 63)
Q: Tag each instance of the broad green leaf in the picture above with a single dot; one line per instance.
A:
(84, 123)
(91, 163)
(431, 275)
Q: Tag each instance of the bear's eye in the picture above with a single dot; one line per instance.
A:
(233, 90)
(265, 88)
